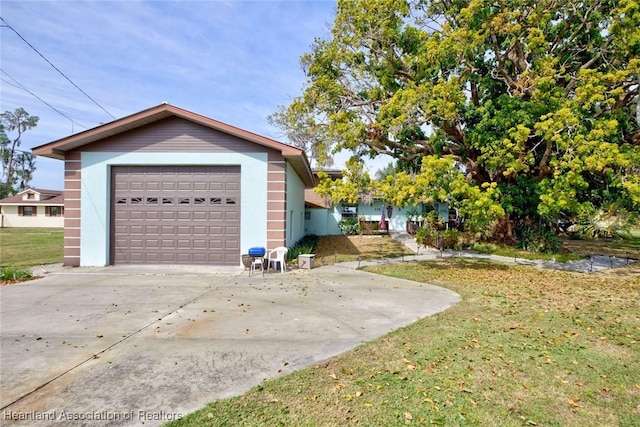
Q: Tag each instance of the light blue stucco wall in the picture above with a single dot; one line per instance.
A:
(295, 207)
(96, 191)
(324, 222)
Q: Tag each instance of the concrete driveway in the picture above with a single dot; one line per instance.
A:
(143, 345)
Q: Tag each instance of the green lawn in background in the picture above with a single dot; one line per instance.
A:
(27, 247)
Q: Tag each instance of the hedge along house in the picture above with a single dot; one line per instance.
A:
(166, 185)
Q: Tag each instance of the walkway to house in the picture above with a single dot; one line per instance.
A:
(591, 264)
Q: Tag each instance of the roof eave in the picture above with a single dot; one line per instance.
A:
(58, 149)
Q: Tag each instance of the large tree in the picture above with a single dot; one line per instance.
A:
(525, 110)
(17, 165)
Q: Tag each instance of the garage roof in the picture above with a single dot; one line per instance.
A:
(57, 149)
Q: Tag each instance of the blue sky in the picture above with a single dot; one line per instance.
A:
(234, 61)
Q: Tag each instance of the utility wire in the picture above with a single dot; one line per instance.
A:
(20, 86)
(55, 68)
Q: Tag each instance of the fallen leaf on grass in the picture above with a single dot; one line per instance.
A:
(574, 402)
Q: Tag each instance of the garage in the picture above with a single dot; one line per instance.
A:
(175, 215)
(169, 186)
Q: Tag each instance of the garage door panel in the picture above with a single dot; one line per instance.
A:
(152, 186)
(152, 215)
(176, 214)
(200, 245)
(182, 258)
(200, 258)
(152, 244)
(168, 257)
(136, 186)
(136, 215)
(231, 244)
(151, 258)
(137, 258)
(183, 230)
(216, 258)
(168, 215)
(168, 230)
(200, 186)
(200, 216)
(183, 244)
(184, 215)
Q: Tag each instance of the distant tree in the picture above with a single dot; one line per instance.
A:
(388, 170)
(527, 112)
(17, 165)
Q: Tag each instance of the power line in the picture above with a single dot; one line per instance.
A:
(20, 86)
(55, 68)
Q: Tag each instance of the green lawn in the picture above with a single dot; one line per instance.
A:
(526, 346)
(26, 247)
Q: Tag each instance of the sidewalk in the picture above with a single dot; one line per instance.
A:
(591, 264)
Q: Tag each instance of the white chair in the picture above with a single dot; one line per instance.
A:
(277, 256)
(256, 262)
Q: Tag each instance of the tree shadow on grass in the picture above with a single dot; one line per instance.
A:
(465, 263)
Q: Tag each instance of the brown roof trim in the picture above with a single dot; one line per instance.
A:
(57, 149)
(17, 200)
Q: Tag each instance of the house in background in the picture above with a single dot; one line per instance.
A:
(322, 217)
(166, 185)
(33, 207)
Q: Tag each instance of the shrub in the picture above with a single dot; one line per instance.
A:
(306, 245)
(12, 273)
(427, 236)
(538, 238)
(451, 239)
(350, 226)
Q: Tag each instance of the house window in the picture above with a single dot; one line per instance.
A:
(27, 211)
(307, 215)
(53, 210)
(31, 196)
(349, 211)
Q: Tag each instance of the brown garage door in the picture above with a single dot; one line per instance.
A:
(175, 215)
